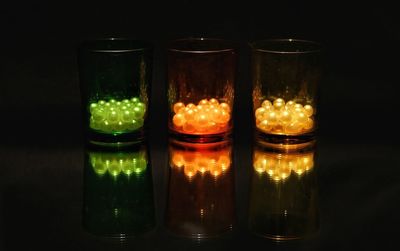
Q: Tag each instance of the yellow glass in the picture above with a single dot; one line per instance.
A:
(283, 198)
(285, 74)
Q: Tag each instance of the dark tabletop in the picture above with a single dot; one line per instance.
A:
(44, 181)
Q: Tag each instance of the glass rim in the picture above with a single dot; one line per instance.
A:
(228, 44)
(141, 45)
(260, 45)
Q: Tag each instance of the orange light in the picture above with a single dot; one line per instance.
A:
(208, 117)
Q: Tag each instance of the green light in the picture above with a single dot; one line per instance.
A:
(117, 116)
(117, 163)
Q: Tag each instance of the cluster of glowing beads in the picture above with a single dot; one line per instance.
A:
(284, 118)
(117, 116)
(208, 117)
(280, 165)
(194, 162)
(116, 163)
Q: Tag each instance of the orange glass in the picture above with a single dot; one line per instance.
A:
(283, 198)
(201, 189)
(201, 77)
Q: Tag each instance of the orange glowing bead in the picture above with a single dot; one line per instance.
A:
(225, 106)
(202, 164)
(224, 162)
(265, 125)
(188, 127)
(191, 106)
(279, 103)
(177, 160)
(190, 170)
(189, 114)
(260, 164)
(178, 120)
(201, 119)
(290, 104)
(214, 101)
(215, 114)
(225, 117)
(178, 106)
(212, 127)
(215, 170)
(308, 124)
(203, 102)
(301, 117)
(308, 110)
(266, 104)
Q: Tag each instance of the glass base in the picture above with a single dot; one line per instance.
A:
(280, 141)
(200, 138)
(115, 140)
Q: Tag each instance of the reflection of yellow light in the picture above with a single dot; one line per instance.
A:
(280, 165)
(202, 160)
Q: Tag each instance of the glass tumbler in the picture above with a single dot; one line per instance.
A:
(115, 79)
(285, 74)
(284, 192)
(201, 77)
(118, 191)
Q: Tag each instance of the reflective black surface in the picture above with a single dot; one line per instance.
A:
(42, 163)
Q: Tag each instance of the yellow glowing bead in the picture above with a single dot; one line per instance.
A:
(260, 164)
(271, 116)
(178, 120)
(203, 102)
(260, 111)
(293, 127)
(112, 116)
(308, 124)
(213, 101)
(308, 110)
(290, 104)
(301, 117)
(225, 106)
(266, 104)
(265, 125)
(178, 106)
(285, 116)
(277, 128)
(279, 103)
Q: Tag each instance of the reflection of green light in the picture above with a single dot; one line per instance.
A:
(117, 116)
(115, 163)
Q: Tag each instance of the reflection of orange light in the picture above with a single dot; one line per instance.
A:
(280, 165)
(201, 160)
(208, 117)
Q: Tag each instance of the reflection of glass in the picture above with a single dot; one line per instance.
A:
(118, 192)
(283, 200)
(201, 76)
(286, 74)
(115, 79)
(201, 189)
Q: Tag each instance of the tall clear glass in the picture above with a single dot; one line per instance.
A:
(201, 78)
(286, 74)
(115, 80)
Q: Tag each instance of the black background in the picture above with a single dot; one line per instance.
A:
(41, 144)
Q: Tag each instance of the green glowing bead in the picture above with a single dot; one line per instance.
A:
(101, 102)
(93, 107)
(112, 101)
(98, 115)
(140, 165)
(114, 169)
(128, 168)
(124, 107)
(138, 112)
(135, 100)
(118, 104)
(141, 105)
(95, 124)
(112, 116)
(107, 105)
(128, 116)
(140, 122)
(99, 168)
(125, 101)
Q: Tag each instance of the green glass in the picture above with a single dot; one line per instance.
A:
(283, 197)
(115, 81)
(118, 192)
